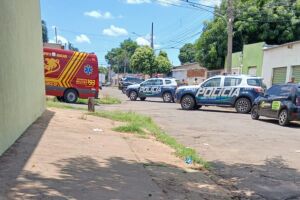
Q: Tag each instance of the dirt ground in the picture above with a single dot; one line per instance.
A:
(259, 158)
(68, 155)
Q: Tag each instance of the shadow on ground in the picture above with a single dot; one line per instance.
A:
(273, 180)
(14, 159)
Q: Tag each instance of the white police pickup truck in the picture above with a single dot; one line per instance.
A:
(155, 87)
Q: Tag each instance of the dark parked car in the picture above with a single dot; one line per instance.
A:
(126, 81)
(280, 102)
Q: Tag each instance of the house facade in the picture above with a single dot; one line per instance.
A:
(281, 63)
(189, 72)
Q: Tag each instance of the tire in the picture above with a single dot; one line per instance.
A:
(133, 95)
(188, 102)
(167, 97)
(283, 118)
(124, 90)
(71, 96)
(254, 113)
(142, 98)
(243, 105)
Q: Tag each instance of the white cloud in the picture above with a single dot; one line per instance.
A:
(137, 1)
(82, 38)
(161, 2)
(210, 2)
(143, 41)
(115, 31)
(99, 14)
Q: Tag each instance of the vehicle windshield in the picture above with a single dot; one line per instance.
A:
(255, 82)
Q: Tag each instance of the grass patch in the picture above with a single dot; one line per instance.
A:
(137, 123)
(56, 104)
(103, 100)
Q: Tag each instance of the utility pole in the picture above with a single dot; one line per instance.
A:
(152, 42)
(55, 29)
(230, 36)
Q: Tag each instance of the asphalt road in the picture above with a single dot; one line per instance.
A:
(258, 158)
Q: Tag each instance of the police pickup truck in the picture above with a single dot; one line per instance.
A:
(155, 87)
(237, 91)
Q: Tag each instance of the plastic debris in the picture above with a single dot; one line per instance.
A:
(188, 160)
(97, 130)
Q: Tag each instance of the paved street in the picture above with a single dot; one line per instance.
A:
(255, 156)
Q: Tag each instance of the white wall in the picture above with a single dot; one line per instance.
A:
(179, 74)
(283, 56)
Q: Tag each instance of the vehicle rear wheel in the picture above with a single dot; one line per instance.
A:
(143, 98)
(167, 97)
(71, 96)
(133, 95)
(188, 102)
(254, 112)
(243, 105)
(283, 118)
(124, 90)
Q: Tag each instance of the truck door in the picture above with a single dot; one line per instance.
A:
(208, 92)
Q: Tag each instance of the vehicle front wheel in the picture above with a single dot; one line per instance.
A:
(254, 112)
(133, 95)
(243, 105)
(188, 102)
(167, 97)
(71, 96)
(143, 98)
(283, 118)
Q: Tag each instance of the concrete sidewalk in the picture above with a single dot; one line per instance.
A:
(68, 155)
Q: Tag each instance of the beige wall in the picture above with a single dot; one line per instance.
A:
(21, 71)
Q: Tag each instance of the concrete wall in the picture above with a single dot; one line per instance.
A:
(22, 92)
(287, 55)
(253, 57)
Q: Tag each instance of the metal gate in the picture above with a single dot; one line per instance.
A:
(279, 75)
(296, 73)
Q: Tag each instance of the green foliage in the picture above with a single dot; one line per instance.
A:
(142, 125)
(143, 60)
(187, 53)
(45, 32)
(163, 64)
(163, 54)
(103, 70)
(119, 58)
(267, 21)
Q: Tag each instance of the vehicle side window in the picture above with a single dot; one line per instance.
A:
(168, 82)
(278, 90)
(232, 81)
(215, 82)
(149, 82)
(255, 82)
(157, 82)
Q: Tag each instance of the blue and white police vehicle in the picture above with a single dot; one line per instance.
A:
(155, 87)
(237, 91)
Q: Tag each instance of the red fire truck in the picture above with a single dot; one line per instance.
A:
(70, 75)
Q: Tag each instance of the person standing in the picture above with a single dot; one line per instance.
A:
(196, 81)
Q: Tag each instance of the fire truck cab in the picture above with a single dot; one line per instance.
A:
(70, 75)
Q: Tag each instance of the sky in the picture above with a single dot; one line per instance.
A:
(100, 25)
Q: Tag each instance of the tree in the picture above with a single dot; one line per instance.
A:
(270, 21)
(162, 63)
(102, 70)
(187, 53)
(44, 32)
(119, 58)
(143, 60)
